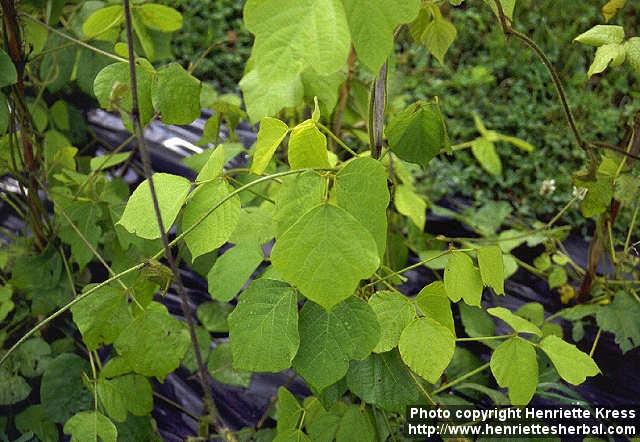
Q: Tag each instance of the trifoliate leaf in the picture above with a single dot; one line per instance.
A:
(159, 17)
(62, 391)
(434, 303)
(462, 279)
(90, 426)
(427, 347)
(217, 227)
(329, 340)
(372, 24)
(601, 35)
(272, 132)
(515, 366)
(383, 380)
(307, 146)
(325, 254)
(411, 205)
(492, 268)
(101, 316)
(232, 270)
(111, 88)
(220, 366)
(154, 343)
(176, 95)
(571, 364)
(263, 328)
(518, 324)
(418, 133)
(361, 189)
(394, 312)
(139, 214)
(620, 318)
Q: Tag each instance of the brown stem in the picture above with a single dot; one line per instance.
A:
(209, 407)
(13, 43)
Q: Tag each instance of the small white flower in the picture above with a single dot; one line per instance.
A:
(548, 187)
(580, 192)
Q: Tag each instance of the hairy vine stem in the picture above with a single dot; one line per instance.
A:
(209, 406)
(555, 78)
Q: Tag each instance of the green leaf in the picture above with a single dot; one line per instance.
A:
(609, 54)
(325, 254)
(271, 134)
(307, 146)
(394, 312)
(411, 205)
(485, 152)
(139, 214)
(220, 366)
(175, 93)
(217, 227)
(515, 366)
(106, 162)
(427, 347)
(6, 304)
(372, 24)
(33, 419)
(288, 410)
(90, 426)
(297, 195)
(557, 277)
(491, 268)
(101, 316)
(160, 17)
(214, 167)
(434, 303)
(100, 21)
(418, 133)
(324, 87)
(144, 37)
(383, 380)
(263, 328)
(32, 357)
(111, 88)
(292, 435)
(232, 270)
(129, 393)
(571, 364)
(601, 35)
(4, 114)
(8, 74)
(361, 189)
(213, 316)
(273, 80)
(518, 324)
(62, 390)
(329, 340)
(438, 36)
(355, 426)
(14, 388)
(620, 318)
(462, 279)
(154, 343)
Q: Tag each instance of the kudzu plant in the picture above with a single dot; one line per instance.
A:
(304, 249)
